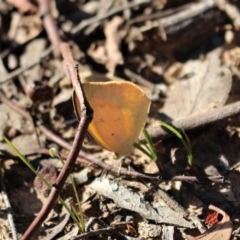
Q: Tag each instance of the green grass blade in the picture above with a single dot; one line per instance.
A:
(26, 162)
(80, 218)
(185, 144)
(139, 147)
(150, 145)
(29, 165)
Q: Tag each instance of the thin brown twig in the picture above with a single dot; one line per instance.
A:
(105, 229)
(21, 70)
(15, 107)
(196, 121)
(159, 14)
(232, 168)
(89, 159)
(135, 77)
(50, 26)
(202, 179)
(77, 143)
(93, 233)
(102, 11)
(190, 12)
(109, 230)
(85, 23)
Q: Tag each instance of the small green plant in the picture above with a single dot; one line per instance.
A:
(73, 212)
(186, 143)
(149, 149)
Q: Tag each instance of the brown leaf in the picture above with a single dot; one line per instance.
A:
(124, 197)
(49, 173)
(202, 85)
(24, 28)
(113, 41)
(24, 6)
(220, 231)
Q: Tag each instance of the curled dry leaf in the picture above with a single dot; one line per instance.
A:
(157, 210)
(60, 225)
(112, 45)
(212, 219)
(49, 173)
(98, 53)
(231, 10)
(24, 6)
(220, 231)
(25, 28)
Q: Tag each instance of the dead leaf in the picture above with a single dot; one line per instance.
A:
(74, 232)
(112, 45)
(49, 173)
(28, 27)
(98, 53)
(103, 8)
(231, 10)
(24, 6)
(149, 230)
(220, 231)
(131, 200)
(167, 233)
(33, 51)
(202, 85)
(212, 219)
(62, 221)
(12, 119)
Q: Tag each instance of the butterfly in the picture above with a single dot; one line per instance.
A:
(120, 112)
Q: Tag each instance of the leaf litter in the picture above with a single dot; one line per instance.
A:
(188, 48)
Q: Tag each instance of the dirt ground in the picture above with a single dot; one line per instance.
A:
(184, 55)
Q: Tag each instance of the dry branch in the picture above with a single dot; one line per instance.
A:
(196, 121)
(78, 140)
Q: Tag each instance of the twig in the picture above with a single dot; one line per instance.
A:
(196, 121)
(78, 28)
(16, 108)
(9, 208)
(231, 10)
(104, 8)
(160, 14)
(50, 26)
(106, 229)
(126, 12)
(216, 179)
(19, 71)
(92, 160)
(77, 143)
(190, 12)
(232, 168)
(87, 158)
(135, 77)
(93, 233)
